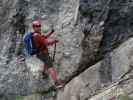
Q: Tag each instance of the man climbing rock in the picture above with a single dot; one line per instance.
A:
(41, 42)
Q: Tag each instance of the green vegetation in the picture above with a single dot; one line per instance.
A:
(58, 67)
(124, 97)
(36, 96)
(60, 35)
(20, 98)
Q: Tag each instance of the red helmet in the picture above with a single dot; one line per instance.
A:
(36, 23)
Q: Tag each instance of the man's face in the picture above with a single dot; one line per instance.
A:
(37, 28)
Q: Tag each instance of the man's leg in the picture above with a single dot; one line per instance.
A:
(49, 65)
(51, 68)
(53, 73)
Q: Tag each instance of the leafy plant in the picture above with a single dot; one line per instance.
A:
(19, 98)
(124, 97)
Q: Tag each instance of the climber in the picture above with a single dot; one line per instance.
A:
(41, 42)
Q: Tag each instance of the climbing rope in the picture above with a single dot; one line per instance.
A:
(54, 52)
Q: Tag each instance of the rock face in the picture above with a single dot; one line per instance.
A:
(103, 28)
(90, 31)
(18, 20)
(93, 80)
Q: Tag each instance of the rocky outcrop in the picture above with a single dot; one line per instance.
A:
(103, 27)
(94, 80)
(16, 80)
(90, 30)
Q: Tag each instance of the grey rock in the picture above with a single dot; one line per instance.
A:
(89, 30)
(93, 81)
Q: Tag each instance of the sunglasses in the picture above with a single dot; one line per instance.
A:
(37, 26)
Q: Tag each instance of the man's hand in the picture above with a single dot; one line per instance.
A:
(56, 41)
(49, 34)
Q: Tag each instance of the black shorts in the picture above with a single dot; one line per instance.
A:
(46, 59)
